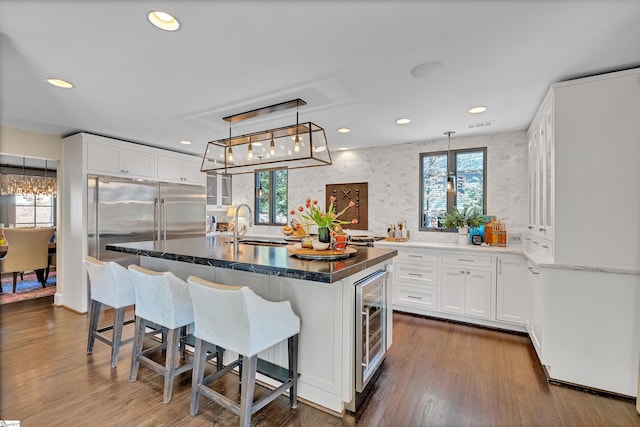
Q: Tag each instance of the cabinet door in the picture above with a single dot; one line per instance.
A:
(512, 285)
(453, 290)
(191, 172)
(535, 310)
(104, 158)
(225, 190)
(169, 169)
(139, 163)
(548, 171)
(478, 293)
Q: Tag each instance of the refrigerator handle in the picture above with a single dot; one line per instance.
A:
(156, 237)
(96, 237)
(164, 219)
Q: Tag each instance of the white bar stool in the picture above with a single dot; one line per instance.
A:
(238, 320)
(110, 285)
(162, 299)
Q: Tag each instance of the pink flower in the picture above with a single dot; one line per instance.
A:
(292, 212)
(308, 200)
(354, 221)
(315, 202)
(298, 226)
(351, 204)
(300, 208)
(332, 199)
(308, 205)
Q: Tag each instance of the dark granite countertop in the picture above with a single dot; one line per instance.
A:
(257, 259)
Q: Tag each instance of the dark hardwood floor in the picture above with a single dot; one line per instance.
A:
(436, 374)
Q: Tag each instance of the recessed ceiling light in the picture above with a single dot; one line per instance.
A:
(403, 121)
(477, 110)
(59, 83)
(163, 20)
(344, 130)
(342, 149)
(185, 142)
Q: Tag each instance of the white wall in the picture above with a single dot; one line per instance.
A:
(393, 176)
(25, 143)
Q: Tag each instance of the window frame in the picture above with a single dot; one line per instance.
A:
(451, 199)
(273, 197)
(35, 206)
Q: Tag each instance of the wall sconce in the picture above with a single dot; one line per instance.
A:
(300, 145)
(451, 176)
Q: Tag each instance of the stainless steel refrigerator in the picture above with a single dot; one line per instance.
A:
(126, 210)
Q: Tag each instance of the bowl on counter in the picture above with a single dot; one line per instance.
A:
(319, 246)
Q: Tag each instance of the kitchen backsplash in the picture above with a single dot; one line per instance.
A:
(393, 174)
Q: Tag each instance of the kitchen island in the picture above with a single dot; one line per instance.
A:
(321, 293)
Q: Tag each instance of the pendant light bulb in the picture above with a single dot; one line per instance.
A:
(230, 156)
(260, 191)
(451, 177)
(272, 147)
(250, 152)
(296, 144)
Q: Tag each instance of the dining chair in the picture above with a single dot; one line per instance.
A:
(162, 299)
(235, 318)
(109, 284)
(27, 250)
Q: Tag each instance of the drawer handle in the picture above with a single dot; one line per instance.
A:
(412, 297)
(415, 274)
(545, 246)
(415, 256)
(535, 243)
(531, 269)
(465, 260)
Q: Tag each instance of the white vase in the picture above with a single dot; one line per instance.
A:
(463, 235)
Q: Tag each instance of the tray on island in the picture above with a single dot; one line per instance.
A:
(325, 255)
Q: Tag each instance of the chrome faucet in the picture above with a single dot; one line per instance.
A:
(236, 227)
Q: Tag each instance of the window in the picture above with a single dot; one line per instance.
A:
(469, 166)
(34, 211)
(271, 197)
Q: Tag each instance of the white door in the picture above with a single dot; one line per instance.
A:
(478, 293)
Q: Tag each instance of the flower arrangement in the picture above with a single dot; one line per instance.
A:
(311, 212)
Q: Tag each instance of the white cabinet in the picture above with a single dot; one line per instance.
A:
(541, 179)
(466, 291)
(535, 318)
(218, 190)
(114, 158)
(181, 169)
(511, 289)
(416, 285)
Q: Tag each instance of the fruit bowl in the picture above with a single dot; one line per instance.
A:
(287, 230)
(319, 246)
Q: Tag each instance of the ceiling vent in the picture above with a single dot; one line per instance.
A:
(481, 125)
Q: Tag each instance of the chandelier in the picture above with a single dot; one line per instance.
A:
(300, 145)
(11, 184)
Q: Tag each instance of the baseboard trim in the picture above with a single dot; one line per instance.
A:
(462, 322)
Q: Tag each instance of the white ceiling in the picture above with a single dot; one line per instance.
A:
(349, 60)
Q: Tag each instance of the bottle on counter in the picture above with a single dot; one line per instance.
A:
(398, 234)
(404, 230)
(488, 230)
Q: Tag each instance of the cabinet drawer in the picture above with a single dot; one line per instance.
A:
(425, 298)
(417, 255)
(416, 273)
(467, 259)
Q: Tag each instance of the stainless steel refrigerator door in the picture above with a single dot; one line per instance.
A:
(182, 211)
(120, 211)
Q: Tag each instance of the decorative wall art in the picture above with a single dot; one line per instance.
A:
(357, 193)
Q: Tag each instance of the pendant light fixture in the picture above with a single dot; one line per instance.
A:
(300, 145)
(451, 176)
(296, 142)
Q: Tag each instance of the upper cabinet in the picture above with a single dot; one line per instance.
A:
(117, 159)
(107, 156)
(583, 172)
(180, 168)
(218, 190)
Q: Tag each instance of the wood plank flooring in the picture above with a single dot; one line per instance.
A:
(436, 374)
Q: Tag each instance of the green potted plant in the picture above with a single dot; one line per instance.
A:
(463, 219)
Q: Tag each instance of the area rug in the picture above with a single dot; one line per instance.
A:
(28, 288)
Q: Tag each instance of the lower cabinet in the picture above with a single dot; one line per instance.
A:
(511, 289)
(534, 321)
(466, 291)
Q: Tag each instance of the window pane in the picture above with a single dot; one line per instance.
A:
(44, 200)
(470, 184)
(282, 193)
(263, 207)
(24, 199)
(434, 193)
(25, 215)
